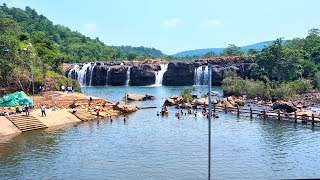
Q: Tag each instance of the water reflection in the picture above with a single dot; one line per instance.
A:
(147, 146)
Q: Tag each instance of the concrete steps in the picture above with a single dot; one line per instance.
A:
(26, 123)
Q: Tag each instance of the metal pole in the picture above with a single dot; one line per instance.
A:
(209, 121)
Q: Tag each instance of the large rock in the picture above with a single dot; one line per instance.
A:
(285, 106)
(174, 100)
(143, 74)
(117, 75)
(126, 108)
(140, 97)
(179, 74)
(99, 74)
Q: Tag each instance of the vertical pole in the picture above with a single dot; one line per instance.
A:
(225, 109)
(295, 117)
(312, 119)
(238, 111)
(209, 121)
(250, 112)
(214, 107)
(278, 114)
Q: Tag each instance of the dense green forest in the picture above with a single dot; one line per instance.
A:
(282, 70)
(139, 52)
(30, 42)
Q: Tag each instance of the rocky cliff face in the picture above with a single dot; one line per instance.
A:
(179, 74)
(142, 74)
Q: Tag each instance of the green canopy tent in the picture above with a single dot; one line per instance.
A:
(14, 99)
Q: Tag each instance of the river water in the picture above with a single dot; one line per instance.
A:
(152, 147)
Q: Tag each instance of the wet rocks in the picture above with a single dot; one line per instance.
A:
(140, 97)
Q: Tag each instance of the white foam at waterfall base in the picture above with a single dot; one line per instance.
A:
(128, 76)
(159, 74)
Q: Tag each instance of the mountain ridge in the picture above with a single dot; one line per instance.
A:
(201, 52)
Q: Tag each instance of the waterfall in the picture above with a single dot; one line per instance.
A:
(159, 74)
(74, 69)
(108, 72)
(81, 74)
(201, 75)
(128, 76)
(91, 71)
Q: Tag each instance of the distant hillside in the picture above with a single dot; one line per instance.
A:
(200, 52)
(154, 53)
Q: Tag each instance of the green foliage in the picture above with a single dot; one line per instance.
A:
(210, 54)
(187, 95)
(267, 90)
(232, 50)
(143, 52)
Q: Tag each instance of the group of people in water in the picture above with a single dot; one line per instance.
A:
(181, 113)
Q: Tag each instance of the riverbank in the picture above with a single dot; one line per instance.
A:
(58, 110)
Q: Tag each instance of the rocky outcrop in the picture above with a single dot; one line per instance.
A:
(143, 74)
(285, 106)
(140, 97)
(99, 73)
(218, 72)
(179, 74)
(117, 75)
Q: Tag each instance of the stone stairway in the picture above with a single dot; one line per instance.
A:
(26, 123)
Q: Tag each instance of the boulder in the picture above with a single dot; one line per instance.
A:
(125, 108)
(285, 106)
(140, 97)
(174, 100)
(200, 101)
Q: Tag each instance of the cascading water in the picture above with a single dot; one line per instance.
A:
(159, 74)
(81, 74)
(201, 74)
(91, 71)
(108, 72)
(74, 69)
(128, 76)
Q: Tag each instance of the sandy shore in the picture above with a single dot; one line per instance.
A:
(55, 118)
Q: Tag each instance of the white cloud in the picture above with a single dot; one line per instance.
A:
(90, 27)
(172, 23)
(211, 23)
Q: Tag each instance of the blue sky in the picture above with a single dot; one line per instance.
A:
(178, 25)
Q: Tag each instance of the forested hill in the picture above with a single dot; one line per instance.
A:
(58, 43)
(201, 52)
(133, 52)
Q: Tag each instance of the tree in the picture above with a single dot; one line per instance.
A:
(209, 54)
(132, 56)
(252, 52)
(232, 50)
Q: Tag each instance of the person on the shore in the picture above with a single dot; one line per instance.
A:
(26, 109)
(74, 110)
(43, 110)
(90, 101)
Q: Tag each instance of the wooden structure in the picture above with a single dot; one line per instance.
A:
(274, 114)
